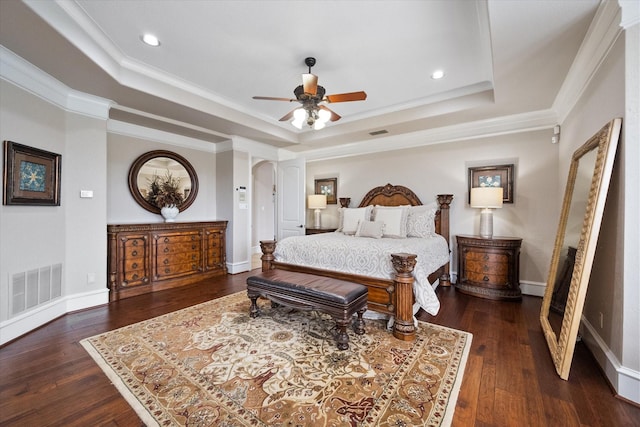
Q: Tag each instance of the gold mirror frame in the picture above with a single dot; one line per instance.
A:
(561, 346)
(141, 161)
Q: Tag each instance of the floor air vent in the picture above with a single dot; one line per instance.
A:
(34, 287)
(378, 132)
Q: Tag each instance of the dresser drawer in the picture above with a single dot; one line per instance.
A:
(167, 271)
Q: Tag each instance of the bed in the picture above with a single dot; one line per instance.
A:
(391, 287)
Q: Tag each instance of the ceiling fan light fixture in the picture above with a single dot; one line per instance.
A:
(300, 114)
(297, 123)
(319, 124)
(324, 116)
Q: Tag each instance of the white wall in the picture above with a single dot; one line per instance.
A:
(436, 169)
(35, 237)
(124, 149)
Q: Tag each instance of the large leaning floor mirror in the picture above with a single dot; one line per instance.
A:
(575, 244)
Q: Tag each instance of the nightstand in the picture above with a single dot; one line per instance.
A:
(319, 230)
(489, 268)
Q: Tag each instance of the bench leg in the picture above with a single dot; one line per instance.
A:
(342, 339)
(358, 325)
(253, 310)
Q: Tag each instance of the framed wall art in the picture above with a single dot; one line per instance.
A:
(493, 176)
(31, 176)
(328, 187)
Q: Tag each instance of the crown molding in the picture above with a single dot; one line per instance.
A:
(600, 38)
(25, 75)
(136, 131)
(517, 123)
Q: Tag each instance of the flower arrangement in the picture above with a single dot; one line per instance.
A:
(165, 191)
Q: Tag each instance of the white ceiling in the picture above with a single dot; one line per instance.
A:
(501, 57)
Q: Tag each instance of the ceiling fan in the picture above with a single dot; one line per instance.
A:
(310, 95)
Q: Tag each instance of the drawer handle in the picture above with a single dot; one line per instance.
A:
(134, 277)
(166, 240)
(134, 265)
(166, 261)
(485, 267)
(193, 257)
(485, 257)
(214, 244)
(167, 270)
(134, 253)
(193, 246)
(166, 250)
(134, 243)
(485, 278)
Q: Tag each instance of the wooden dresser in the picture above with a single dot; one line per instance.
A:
(146, 258)
(489, 268)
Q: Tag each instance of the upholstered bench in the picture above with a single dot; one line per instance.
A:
(338, 298)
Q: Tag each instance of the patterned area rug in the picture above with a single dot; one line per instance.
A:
(212, 365)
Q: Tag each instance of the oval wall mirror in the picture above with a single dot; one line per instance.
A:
(160, 163)
(575, 244)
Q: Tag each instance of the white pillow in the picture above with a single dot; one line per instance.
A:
(349, 218)
(370, 229)
(394, 218)
(421, 220)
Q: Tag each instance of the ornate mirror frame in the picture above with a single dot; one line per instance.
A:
(141, 161)
(562, 345)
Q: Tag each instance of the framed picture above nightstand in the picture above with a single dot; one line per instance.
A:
(489, 268)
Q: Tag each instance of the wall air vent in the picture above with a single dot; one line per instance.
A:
(378, 132)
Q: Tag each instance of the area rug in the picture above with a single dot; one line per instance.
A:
(213, 365)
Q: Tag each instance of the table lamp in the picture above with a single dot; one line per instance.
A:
(487, 199)
(317, 202)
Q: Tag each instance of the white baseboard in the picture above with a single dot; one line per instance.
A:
(239, 267)
(625, 381)
(535, 289)
(28, 321)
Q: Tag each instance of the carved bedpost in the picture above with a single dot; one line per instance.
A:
(267, 247)
(403, 327)
(444, 200)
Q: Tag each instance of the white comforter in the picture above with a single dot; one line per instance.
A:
(369, 257)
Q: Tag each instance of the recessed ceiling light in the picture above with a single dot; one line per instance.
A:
(438, 74)
(151, 40)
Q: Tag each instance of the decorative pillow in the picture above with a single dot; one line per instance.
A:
(394, 218)
(421, 221)
(349, 218)
(370, 229)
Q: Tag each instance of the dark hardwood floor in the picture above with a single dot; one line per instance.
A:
(48, 379)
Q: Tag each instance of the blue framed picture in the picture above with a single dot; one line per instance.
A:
(31, 176)
(493, 176)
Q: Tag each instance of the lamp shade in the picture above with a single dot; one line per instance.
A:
(486, 197)
(317, 201)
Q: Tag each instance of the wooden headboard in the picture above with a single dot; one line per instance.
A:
(398, 195)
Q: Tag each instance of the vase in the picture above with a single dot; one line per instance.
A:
(169, 213)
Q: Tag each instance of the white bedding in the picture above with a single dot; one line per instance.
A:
(369, 257)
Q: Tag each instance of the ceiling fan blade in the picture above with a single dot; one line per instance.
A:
(345, 97)
(287, 116)
(310, 83)
(334, 116)
(270, 98)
